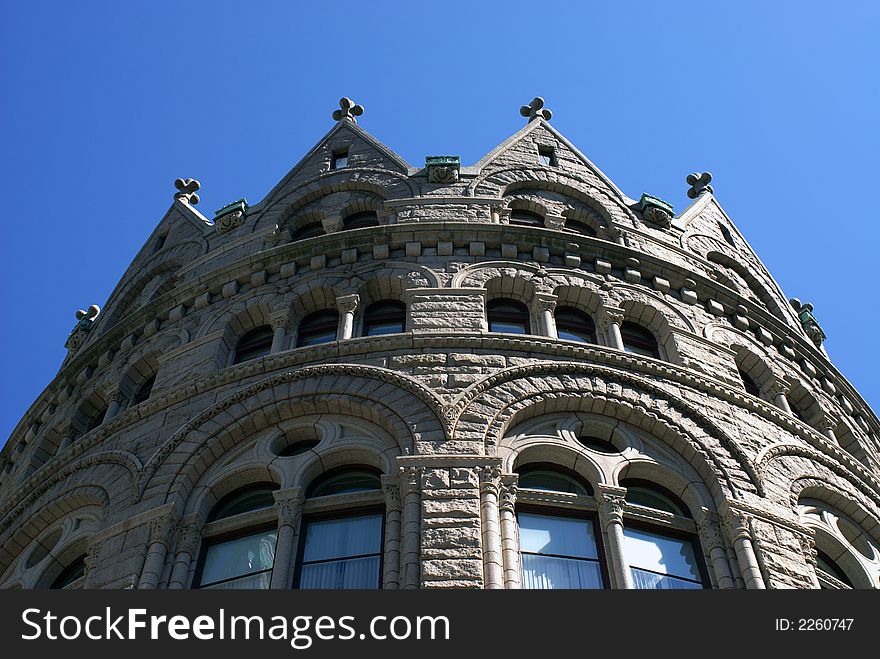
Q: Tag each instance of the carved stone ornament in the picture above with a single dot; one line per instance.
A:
(699, 183)
(348, 109)
(612, 506)
(736, 525)
(186, 190)
(289, 512)
(348, 303)
(490, 479)
(189, 537)
(509, 487)
(536, 110)
(85, 320)
(808, 321)
(443, 169)
(656, 211)
(160, 528)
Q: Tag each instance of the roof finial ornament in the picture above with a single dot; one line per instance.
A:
(699, 183)
(84, 318)
(535, 110)
(186, 190)
(348, 109)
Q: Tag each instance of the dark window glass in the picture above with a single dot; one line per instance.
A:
(386, 317)
(160, 243)
(574, 325)
(558, 552)
(345, 482)
(255, 343)
(143, 392)
(526, 218)
(72, 573)
(600, 445)
(319, 327)
(828, 566)
(340, 159)
(549, 480)
(508, 316)
(298, 448)
(547, 156)
(580, 227)
(308, 231)
(658, 561)
(650, 495)
(797, 412)
(97, 420)
(254, 497)
(749, 383)
(342, 553)
(241, 563)
(638, 340)
(361, 220)
(727, 235)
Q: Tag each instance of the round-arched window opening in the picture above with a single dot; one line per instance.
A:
(651, 495)
(361, 220)
(346, 481)
(825, 564)
(526, 218)
(256, 343)
(551, 479)
(308, 231)
(297, 448)
(510, 316)
(385, 317)
(574, 325)
(245, 500)
(598, 445)
(856, 538)
(580, 227)
(751, 386)
(143, 391)
(638, 340)
(42, 550)
(319, 327)
(70, 575)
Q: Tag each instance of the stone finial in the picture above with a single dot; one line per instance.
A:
(535, 110)
(186, 190)
(348, 109)
(808, 321)
(85, 319)
(699, 183)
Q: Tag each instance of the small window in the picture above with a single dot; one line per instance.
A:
(639, 341)
(727, 235)
(751, 388)
(558, 552)
(547, 156)
(143, 392)
(650, 495)
(797, 412)
(342, 553)
(245, 500)
(551, 480)
(254, 344)
(574, 325)
(361, 220)
(580, 227)
(340, 159)
(526, 218)
(386, 317)
(71, 577)
(598, 445)
(97, 419)
(345, 482)
(244, 562)
(508, 316)
(319, 327)
(825, 564)
(298, 448)
(308, 231)
(160, 243)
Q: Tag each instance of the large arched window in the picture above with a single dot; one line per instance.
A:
(526, 218)
(385, 317)
(253, 344)
(574, 325)
(244, 559)
(638, 340)
(360, 220)
(308, 231)
(505, 315)
(343, 549)
(319, 327)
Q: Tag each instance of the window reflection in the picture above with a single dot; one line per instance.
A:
(342, 553)
(660, 562)
(558, 552)
(241, 563)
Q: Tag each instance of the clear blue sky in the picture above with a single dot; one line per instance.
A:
(105, 103)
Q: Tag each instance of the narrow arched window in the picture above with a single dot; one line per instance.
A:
(254, 344)
(143, 391)
(361, 220)
(505, 315)
(71, 577)
(551, 479)
(385, 317)
(526, 218)
(574, 325)
(638, 340)
(308, 231)
(319, 327)
(749, 384)
(580, 227)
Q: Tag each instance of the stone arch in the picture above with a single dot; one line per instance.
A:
(479, 274)
(694, 493)
(213, 487)
(756, 286)
(656, 317)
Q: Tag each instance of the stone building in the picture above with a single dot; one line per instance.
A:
(501, 375)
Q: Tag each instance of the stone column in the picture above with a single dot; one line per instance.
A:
(777, 391)
(826, 426)
(709, 530)
(493, 570)
(808, 546)
(160, 530)
(391, 490)
(611, 506)
(288, 506)
(545, 305)
(93, 560)
(610, 319)
(114, 403)
(411, 525)
(188, 538)
(279, 322)
(510, 532)
(736, 524)
(68, 436)
(347, 305)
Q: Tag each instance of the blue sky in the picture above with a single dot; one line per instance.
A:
(104, 104)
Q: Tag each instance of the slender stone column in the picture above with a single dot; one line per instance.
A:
(545, 305)
(709, 530)
(188, 538)
(826, 426)
(611, 506)
(68, 437)
(510, 532)
(411, 526)
(93, 560)
(610, 319)
(288, 506)
(347, 305)
(736, 524)
(160, 530)
(391, 490)
(493, 571)
(777, 391)
(114, 403)
(279, 322)
(808, 546)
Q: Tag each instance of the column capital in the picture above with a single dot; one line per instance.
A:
(545, 302)
(826, 422)
(188, 538)
(737, 525)
(279, 319)
(490, 479)
(709, 528)
(114, 394)
(410, 480)
(288, 506)
(348, 303)
(509, 487)
(391, 491)
(777, 387)
(610, 315)
(161, 527)
(611, 503)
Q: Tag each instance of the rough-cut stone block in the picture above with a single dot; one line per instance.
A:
(202, 301)
(414, 249)
(572, 261)
(477, 249)
(258, 278)
(230, 289)
(660, 284)
(288, 269)
(541, 254)
(380, 251)
(714, 308)
(509, 251)
(444, 248)
(349, 256)
(318, 262)
(603, 267)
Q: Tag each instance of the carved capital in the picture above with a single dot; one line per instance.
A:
(348, 303)
(611, 504)
(736, 525)
(281, 319)
(826, 422)
(410, 480)
(777, 387)
(188, 538)
(392, 496)
(610, 315)
(490, 479)
(709, 529)
(160, 528)
(544, 302)
(93, 555)
(509, 487)
(289, 512)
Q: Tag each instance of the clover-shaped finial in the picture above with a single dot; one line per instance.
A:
(89, 314)
(348, 109)
(699, 183)
(186, 190)
(84, 319)
(535, 110)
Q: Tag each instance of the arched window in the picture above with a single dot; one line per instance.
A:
(143, 391)
(71, 577)
(580, 227)
(526, 218)
(254, 344)
(638, 340)
(342, 550)
(385, 317)
(825, 568)
(750, 385)
(360, 220)
(319, 327)
(574, 325)
(552, 479)
(509, 316)
(244, 560)
(308, 231)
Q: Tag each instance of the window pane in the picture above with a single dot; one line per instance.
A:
(551, 481)
(561, 536)
(659, 554)
(545, 572)
(650, 580)
(339, 538)
(258, 581)
(239, 557)
(350, 573)
(510, 328)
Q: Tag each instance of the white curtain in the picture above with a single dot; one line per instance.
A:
(342, 553)
(545, 572)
